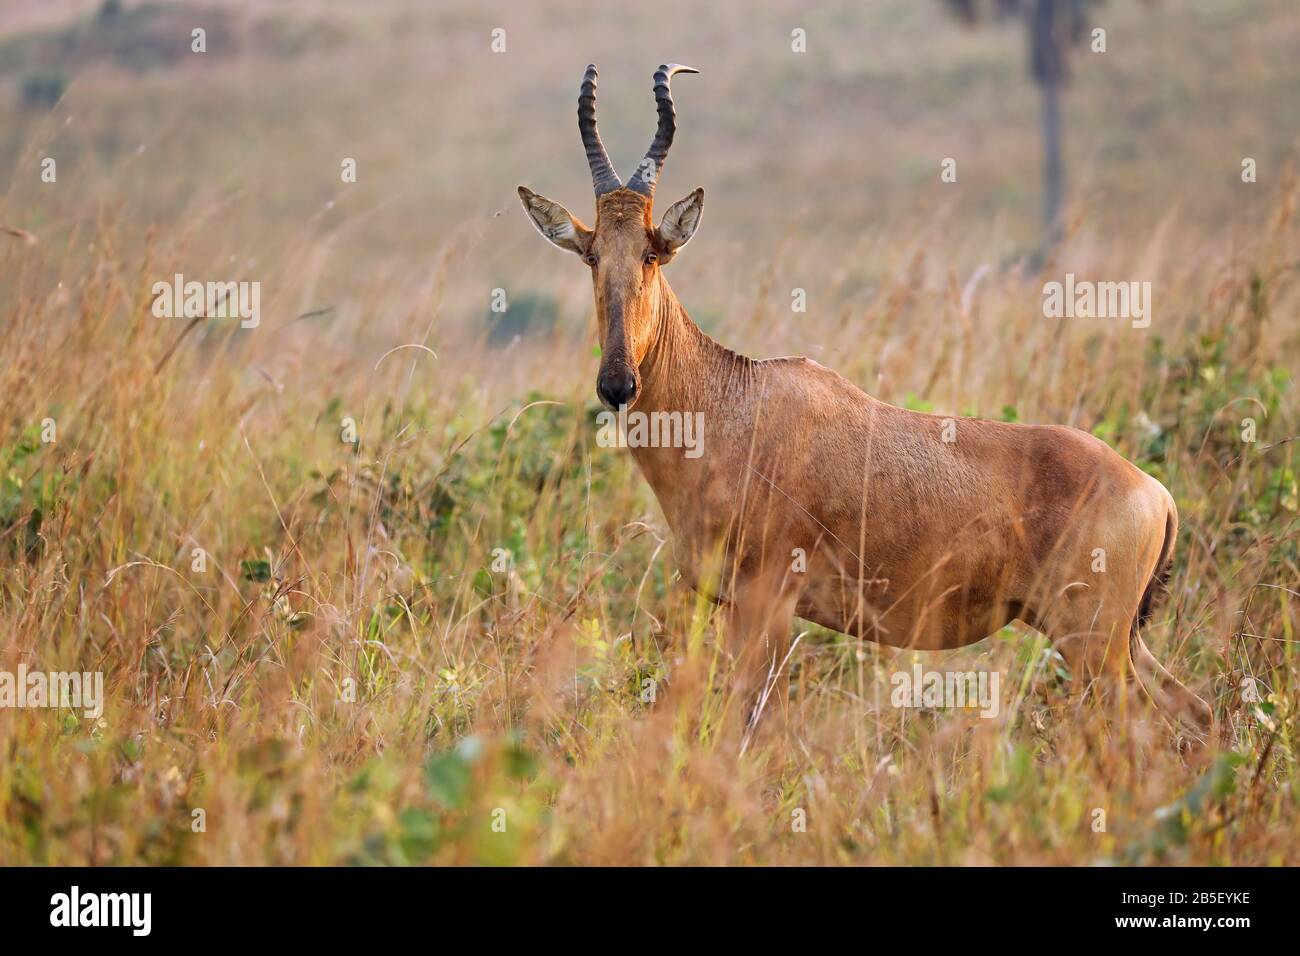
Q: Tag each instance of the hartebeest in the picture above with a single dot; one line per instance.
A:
(900, 527)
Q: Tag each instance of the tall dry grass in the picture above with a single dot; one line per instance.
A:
(349, 680)
(520, 691)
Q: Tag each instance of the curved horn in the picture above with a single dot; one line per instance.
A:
(603, 176)
(647, 171)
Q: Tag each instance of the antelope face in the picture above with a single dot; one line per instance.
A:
(625, 251)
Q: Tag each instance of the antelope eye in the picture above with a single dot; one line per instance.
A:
(589, 259)
(651, 257)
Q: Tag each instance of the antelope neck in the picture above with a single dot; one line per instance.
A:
(684, 369)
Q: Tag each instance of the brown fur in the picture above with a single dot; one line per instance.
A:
(910, 540)
(1158, 586)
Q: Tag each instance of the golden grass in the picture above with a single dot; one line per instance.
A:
(485, 696)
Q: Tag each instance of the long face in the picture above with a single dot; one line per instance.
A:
(625, 251)
(624, 260)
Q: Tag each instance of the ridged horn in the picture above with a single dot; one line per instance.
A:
(647, 171)
(603, 176)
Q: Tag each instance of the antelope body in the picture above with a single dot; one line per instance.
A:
(814, 499)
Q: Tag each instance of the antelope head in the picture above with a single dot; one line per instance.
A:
(625, 251)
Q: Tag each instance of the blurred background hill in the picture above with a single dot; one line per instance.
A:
(807, 158)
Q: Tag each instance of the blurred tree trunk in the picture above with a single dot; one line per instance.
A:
(1052, 165)
(1052, 27)
(1047, 58)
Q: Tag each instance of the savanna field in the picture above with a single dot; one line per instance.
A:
(430, 644)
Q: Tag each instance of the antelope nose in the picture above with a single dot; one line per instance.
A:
(617, 387)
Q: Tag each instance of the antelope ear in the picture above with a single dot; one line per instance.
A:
(680, 222)
(554, 222)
